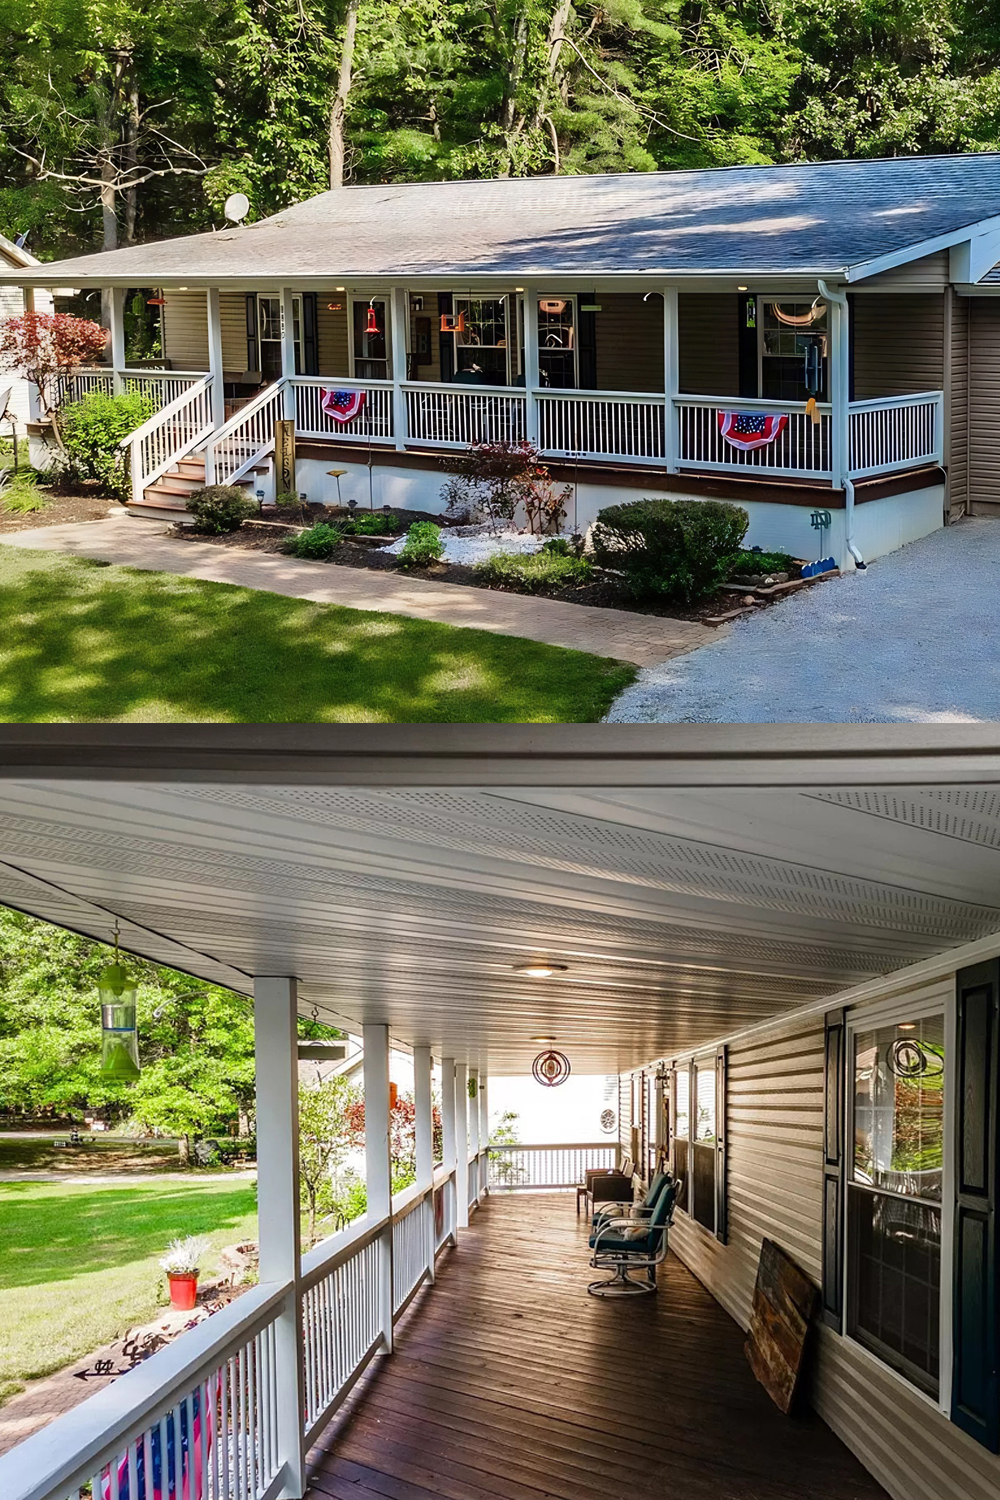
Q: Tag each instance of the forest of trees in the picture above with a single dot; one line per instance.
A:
(130, 119)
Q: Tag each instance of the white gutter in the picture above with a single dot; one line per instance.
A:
(845, 479)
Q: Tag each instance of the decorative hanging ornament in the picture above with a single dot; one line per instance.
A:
(372, 325)
(550, 1069)
(119, 1035)
(473, 1087)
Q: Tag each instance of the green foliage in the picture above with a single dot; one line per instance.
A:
(92, 431)
(19, 493)
(558, 546)
(320, 541)
(533, 573)
(371, 523)
(325, 1137)
(218, 508)
(672, 549)
(423, 545)
(744, 562)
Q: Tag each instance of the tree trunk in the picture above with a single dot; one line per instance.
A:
(338, 109)
(131, 156)
(184, 1150)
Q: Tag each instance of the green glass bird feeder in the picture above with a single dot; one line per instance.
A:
(119, 1034)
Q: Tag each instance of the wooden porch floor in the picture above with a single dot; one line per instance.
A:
(510, 1383)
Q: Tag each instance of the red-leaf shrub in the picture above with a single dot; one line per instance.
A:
(492, 479)
(41, 346)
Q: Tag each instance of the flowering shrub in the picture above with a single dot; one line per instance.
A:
(92, 432)
(492, 479)
(41, 346)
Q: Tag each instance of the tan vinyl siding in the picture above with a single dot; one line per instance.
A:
(185, 330)
(709, 344)
(331, 335)
(984, 402)
(929, 271)
(629, 342)
(432, 370)
(898, 344)
(957, 409)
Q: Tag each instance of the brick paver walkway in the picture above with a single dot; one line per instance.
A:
(642, 639)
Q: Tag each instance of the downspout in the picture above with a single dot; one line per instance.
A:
(848, 485)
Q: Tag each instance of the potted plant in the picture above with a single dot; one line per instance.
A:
(181, 1266)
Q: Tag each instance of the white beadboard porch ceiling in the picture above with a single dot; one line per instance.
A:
(680, 915)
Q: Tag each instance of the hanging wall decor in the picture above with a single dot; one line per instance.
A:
(119, 1033)
(550, 1068)
(473, 1087)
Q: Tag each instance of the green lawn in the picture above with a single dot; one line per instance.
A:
(81, 642)
(79, 1263)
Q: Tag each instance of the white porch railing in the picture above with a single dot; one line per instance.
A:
(246, 438)
(163, 385)
(513, 1167)
(616, 425)
(373, 422)
(802, 450)
(453, 416)
(68, 388)
(197, 1421)
(183, 425)
(894, 432)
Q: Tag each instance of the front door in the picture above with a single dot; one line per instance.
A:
(269, 333)
(792, 349)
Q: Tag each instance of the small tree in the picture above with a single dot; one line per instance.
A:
(326, 1134)
(402, 1135)
(492, 479)
(43, 346)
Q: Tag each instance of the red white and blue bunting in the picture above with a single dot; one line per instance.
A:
(342, 406)
(748, 429)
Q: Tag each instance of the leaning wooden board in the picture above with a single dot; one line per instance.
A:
(784, 1302)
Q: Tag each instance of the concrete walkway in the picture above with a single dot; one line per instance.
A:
(641, 639)
(915, 639)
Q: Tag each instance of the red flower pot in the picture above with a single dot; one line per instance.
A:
(183, 1289)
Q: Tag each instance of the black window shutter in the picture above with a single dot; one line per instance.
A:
(587, 342)
(975, 1386)
(721, 1145)
(833, 1169)
(746, 330)
(447, 343)
(253, 359)
(310, 348)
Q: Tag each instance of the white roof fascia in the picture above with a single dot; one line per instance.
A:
(902, 257)
(15, 253)
(973, 258)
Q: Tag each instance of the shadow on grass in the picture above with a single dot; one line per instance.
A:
(55, 1232)
(89, 643)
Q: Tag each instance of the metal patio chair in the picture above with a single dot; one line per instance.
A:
(628, 1243)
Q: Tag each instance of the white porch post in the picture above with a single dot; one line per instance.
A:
(275, 1031)
(474, 1133)
(215, 357)
(484, 1131)
(425, 1143)
(288, 351)
(34, 405)
(399, 326)
(839, 391)
(671, 380)
(449, 1138)
(462, 1142)
(530, 363)
(378, 1166)
(117, 318)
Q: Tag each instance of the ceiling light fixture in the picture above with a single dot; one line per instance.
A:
(907, 1026)
(546, 1039)
(540, 970)
(742, 288)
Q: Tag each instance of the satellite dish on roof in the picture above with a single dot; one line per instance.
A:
(237, 206)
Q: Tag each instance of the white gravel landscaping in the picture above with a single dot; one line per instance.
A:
(476, 548)
(913, 640)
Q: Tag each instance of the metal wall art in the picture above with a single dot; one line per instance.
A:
(550, 1068)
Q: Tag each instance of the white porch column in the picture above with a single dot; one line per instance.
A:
(474, 1132)
(275, 1033)
(462, 1142)
(531, 362)
(840, 389)
(449, 1147)
(117, 318)
(671, 380)
(288, 351)
(399, 327)
(425, 1143)
(378, 1166)
(34, 405)
(484, 1129)
(215, 356)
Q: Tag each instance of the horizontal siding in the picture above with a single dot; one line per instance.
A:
(958, 405)
(233, 317)
(709, 344)
(629, 342)
(929, 270)
(984, 403)
(331, 335)
(185, 330)
(898, 344)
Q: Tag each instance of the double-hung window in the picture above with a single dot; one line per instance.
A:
(698, 1147)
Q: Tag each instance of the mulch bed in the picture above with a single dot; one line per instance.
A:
(63, 505)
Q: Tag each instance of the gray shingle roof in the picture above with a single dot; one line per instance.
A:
(815, 218)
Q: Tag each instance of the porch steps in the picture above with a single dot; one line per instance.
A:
(167, 497)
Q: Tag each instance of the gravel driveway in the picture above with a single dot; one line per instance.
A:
(913, 640)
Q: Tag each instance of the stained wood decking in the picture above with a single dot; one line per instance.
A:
(510, 1383)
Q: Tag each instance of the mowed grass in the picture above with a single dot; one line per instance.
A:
(79, 1263)
(81, 642)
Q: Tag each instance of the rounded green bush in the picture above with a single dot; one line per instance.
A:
(320, 541)
(536, 571)
(219, 508)
(423, 545)
(678, 550)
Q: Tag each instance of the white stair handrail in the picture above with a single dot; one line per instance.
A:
(172, 407)
(231, 430)
(168, 435)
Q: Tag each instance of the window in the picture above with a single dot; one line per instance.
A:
(895, 1194)
(369, 349)
(269, 332)
(705, 1142)
(682, 1126)
(793, 350)
(483, 344)
(557, 342)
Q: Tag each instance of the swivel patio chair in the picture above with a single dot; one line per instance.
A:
(629, 1244)
(627, 1209)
